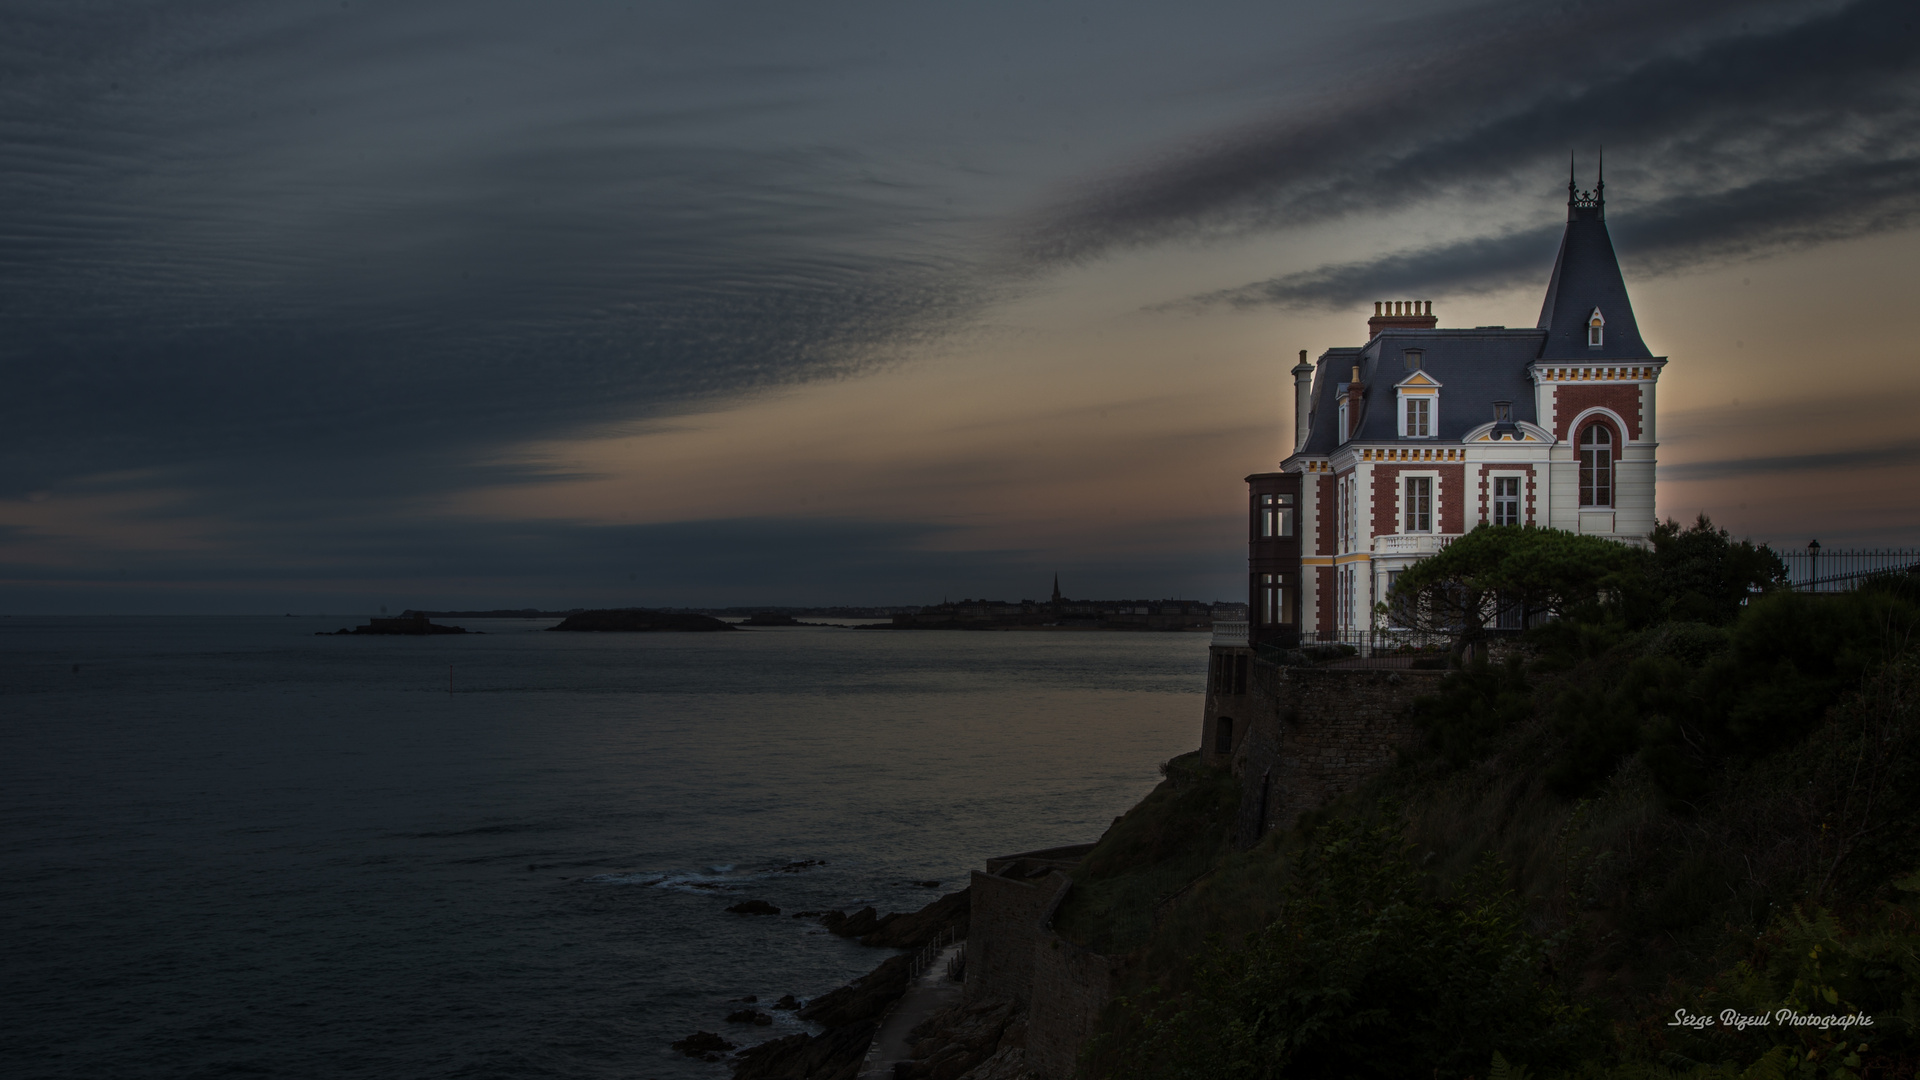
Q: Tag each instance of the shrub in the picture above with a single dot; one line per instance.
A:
(1366, 973)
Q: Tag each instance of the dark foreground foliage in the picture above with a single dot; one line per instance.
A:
(1693, 794)
(1366, 971)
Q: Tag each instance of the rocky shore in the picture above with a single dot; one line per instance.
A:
(851, 1016)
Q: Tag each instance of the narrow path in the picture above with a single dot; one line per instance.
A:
(926, 995)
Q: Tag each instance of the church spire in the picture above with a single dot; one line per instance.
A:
(1056, 587)
(1587, 315)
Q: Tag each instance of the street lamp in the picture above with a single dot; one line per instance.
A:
(1813, 563)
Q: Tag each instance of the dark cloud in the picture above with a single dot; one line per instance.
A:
(1654, 237)
(1897, 455)
(560, 564)
(292, 272)
(233, 262)
(1729, 128)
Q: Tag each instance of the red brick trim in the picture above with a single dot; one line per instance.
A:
(1486, 505)
(1570, 401)
(1452, 494)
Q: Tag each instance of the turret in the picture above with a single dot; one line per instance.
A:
(1586, 314)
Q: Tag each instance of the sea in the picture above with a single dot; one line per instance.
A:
(230, 847)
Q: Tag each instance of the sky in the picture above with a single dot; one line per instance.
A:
(422, 303)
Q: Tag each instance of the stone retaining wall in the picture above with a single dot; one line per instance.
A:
(1304, 736)
(1004, 926)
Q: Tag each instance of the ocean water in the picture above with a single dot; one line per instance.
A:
(229, 847)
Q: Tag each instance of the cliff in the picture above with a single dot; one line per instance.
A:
(1618, 824)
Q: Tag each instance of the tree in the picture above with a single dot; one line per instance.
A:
(1541, 571)
(1700, 574)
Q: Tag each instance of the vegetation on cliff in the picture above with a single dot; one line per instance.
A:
(1665, 803)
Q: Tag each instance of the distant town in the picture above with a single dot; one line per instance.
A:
(1056, 612)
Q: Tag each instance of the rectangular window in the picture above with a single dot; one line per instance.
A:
(1276, 515)
(1419, 416)
(1510, 615)
(1418, 507)
(1506, 500)
(1343, 421)
(1273, 600)
(1401, 615)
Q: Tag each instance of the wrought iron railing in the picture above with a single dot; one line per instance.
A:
(1383, 647)
(1813, 569)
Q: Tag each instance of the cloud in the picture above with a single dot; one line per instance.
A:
(1894, 455)
(258, 248)
(485, 564)
(1657, 237)
(1731, 129)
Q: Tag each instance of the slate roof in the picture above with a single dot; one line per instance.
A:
(1474, 368)
(1586, 275)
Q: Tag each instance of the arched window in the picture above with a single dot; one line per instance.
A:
(1223, 735)
(1596, 466)
(1596, 328)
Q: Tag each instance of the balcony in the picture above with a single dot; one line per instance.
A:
(1412, 543)
(1230, 634)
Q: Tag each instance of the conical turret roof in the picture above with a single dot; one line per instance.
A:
(1586, 277)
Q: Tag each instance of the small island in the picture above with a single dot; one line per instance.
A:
(410, 622)
(638, 619)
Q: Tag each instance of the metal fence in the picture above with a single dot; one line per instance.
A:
(1813, 569)
(1383, 648)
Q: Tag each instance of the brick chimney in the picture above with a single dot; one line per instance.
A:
(1401, 315)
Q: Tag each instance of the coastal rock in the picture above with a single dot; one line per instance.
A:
(949, 913)
(703, 1044)
(749, 1016)
(977, 1040)
(858, 924)
(754, 907)
(864, 998)
(786, 1002)
(639, 619)
(837, 1054)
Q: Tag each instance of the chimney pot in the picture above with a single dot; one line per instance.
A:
(1376, 307)
(1356, 373)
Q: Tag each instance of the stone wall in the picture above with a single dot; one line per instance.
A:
(1013, 952)
(1304, 736)
(1071, 988)
(1005, 924)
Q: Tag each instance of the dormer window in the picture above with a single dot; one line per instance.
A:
(1417, 405)
(1419, 418)
(1596, 327)
(1413, 357)
(1503, 412)
(1345, 431)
